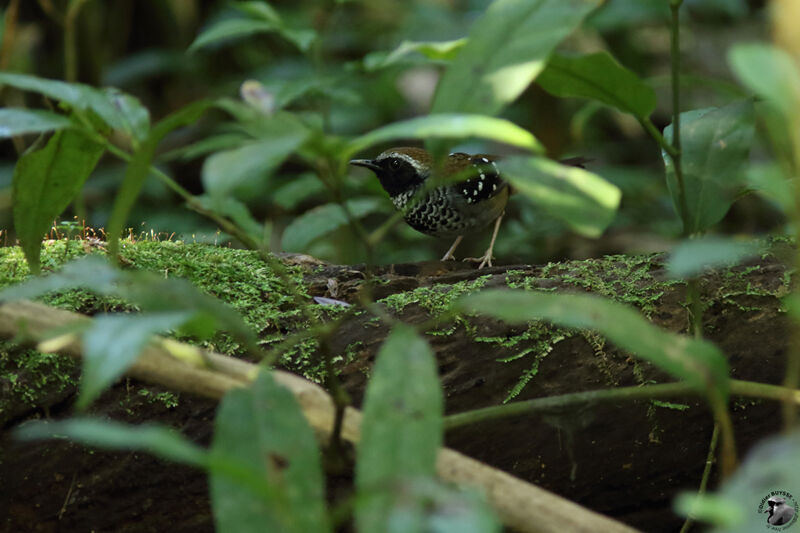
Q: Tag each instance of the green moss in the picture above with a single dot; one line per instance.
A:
(26, 376)
(238, 277)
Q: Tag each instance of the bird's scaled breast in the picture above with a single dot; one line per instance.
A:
(447, 211)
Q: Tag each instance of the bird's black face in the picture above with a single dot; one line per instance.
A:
(396, 174)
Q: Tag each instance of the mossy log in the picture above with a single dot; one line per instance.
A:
(626, 460)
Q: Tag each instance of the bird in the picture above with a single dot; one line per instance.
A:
(468, 195)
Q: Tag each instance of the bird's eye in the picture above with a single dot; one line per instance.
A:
(394, 164)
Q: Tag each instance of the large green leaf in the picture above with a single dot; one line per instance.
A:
(107, 105)
(450, 126)
(715, 144)
(22, 121)
(585, 201)
(507, 47)
(263, 427)
(231, 171)
(698, 362)
(114, 342)
(402, 428)
(324, 219)
(158, 440)
(598, 77)
(45, 182)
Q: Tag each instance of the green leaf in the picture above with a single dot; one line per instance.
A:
(134, 118)
(154, 293)
(256, 22)
(263, 427)
(23, 121)
(768, 180)
(45, 182)
(598, 77)
(230, 29)
(150, 292)
(585, 201)
(158, 440)
(113, 344)
(769, 72)
(771, 466)
(715, 144)
(79, 96)
(506, 49)
(227, 172)
(402, 427)
(449, 125)
(236, 211)
(298, 190)
(139, 168)
(698, 362)
(324, 219)
(710, 508)
(691, 258)
(435, 51)
(90, 272)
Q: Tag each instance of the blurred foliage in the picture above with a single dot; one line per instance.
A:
(349, 67)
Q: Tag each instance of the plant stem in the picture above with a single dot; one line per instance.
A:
(748, 389)
(712, 448)
(675, 62)
(70, 40)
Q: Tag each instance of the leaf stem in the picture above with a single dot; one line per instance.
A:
(675, 155)
(647, 392)
(712, 449)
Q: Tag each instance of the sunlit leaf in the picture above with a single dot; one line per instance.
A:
(698, 362)
(324, 219)
(158, 440)
(715, 144)
(449, 125)
(402, 428)
(112, 345)
(693, 257)
(45, 182)
(598, 77)
(263, 427)
(436, 51)
(507, 47)
(23, 121)
(585, 201)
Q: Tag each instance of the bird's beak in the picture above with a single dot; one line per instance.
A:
(368, 163)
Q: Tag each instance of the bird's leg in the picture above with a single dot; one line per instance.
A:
(449, 254)
(486, 259)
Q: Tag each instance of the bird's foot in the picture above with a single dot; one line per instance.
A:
(484, 260)
(448, 257)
